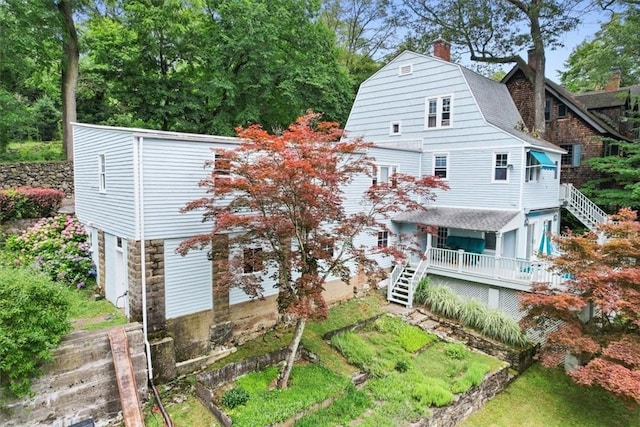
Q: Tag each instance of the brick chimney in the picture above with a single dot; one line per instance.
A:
(442, 49)
(614, 79)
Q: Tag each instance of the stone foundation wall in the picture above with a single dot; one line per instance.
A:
(57, 175)
(154, 276)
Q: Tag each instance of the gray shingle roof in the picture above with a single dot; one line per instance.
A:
(604, 99)
(467, 219)
(498, 108)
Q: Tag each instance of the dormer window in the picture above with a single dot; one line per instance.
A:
(405, 69)
(439, 112)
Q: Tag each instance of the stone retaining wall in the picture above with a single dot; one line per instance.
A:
(57, 175)
(468, 402)
(80, 383)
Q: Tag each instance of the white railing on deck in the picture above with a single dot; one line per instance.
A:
(492, 267)
(583, 208)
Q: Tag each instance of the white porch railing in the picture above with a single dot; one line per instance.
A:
(393, 278)
(479, 266)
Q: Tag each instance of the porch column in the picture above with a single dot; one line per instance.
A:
(429, 240)
(498, 244)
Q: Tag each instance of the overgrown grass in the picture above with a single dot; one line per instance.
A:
(429, 377)
(32, 151)
(310, 384)
(344, 409)
(548, 398)
(89, 314)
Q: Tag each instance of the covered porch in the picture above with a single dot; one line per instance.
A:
(491, 247)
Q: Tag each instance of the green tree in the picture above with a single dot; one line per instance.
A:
(496, 31)
(619, 184)
(617, 43)
(39, 52)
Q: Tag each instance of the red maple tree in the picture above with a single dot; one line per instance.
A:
(288, 195)
(604, 280)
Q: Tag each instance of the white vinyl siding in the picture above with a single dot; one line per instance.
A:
(112, 211)
(188, 285)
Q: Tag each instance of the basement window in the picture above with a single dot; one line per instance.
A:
(253, 260)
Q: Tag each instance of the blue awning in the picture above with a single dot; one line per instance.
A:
(544, 160)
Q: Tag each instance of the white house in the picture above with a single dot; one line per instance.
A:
(130, 185)
(505, 193)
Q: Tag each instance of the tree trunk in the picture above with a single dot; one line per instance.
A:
(69, 75)
(283, 379)
(539, 58)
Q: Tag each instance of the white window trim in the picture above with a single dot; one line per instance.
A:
(102, 173)
(391, 124)
(446, 155)
(438, 99)
(391, 172)
(493, 168)
(403, 67)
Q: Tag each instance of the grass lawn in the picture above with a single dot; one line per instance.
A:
(548, 398)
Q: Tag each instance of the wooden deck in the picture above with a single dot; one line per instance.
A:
(505, 272)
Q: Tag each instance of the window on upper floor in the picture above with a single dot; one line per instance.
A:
(441, 165)
(383, 239)
(611, 149)
(533, 168)
(441, 237)
(102, 173)
(500, 167)
(562, 110)
(547, 109)
(573, 155)
(394, 128)
(439, 112)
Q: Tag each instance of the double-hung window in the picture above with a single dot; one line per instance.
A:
(102, 173)
(500, 168)
(440, 165)
(221, 164)
(533, 168)
(439, 110)
(252, 258)
(383, 239)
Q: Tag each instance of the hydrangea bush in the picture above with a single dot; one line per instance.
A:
(57, 246)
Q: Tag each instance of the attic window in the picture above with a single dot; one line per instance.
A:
(547, 109)
(562, 110)
(403, 70)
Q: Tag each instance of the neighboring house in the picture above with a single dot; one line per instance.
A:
(130, 185)
(582, 124)
(505, 192)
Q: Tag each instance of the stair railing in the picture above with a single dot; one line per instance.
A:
(587, 212)
(418, 274)
(395, 275)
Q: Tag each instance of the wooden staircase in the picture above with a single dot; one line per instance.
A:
(581, 207)
(400, 291)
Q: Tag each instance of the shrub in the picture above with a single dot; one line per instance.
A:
(456, 351)
(18, 203)
(57, 246)
(33, 319)
(421, 293)
(473, 313)
(235, 397)
(502, 327)
(402, 366)
(431, 392)
(443, 300)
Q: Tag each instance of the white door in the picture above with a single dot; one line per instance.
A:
(121, 284)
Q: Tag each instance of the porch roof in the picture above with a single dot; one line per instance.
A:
(466, 219)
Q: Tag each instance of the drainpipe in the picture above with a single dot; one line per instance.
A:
(143, 272)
